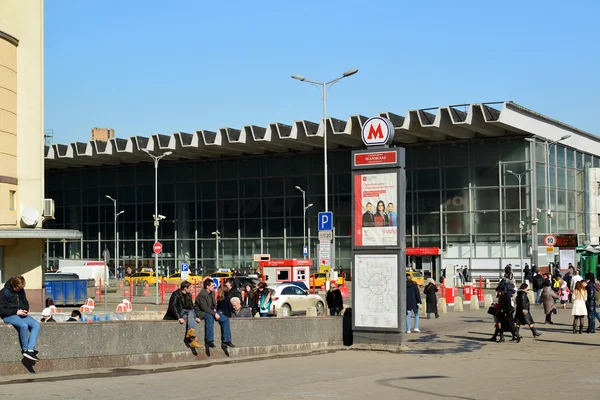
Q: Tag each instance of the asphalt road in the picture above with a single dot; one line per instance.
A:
(450, 359)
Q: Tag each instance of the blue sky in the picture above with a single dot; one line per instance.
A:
(153, 66)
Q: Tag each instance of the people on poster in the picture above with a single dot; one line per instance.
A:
(392, 217)
(368, 216)
(381, 217)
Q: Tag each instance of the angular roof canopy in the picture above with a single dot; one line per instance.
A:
(450, 123)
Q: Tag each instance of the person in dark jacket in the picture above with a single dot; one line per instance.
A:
(506, 315)
(527, 274)
(181, 308)
(14, 310)
(538, 285)
(206, 309)
(75, 316)
(590, 303)
(523, 313)
(249, 299)
(431, 298)
(335, 303)
(413, 303)
(233, 291)
(224, 300)
(47, 315)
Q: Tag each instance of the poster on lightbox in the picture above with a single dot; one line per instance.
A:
(375, 209)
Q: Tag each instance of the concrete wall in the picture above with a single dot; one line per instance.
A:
(25, 258)
(68, 346)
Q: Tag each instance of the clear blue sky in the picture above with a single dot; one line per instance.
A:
(156, 66)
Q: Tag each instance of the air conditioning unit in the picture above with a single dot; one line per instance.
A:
(48, 209)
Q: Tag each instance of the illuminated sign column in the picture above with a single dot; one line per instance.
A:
(378, 237)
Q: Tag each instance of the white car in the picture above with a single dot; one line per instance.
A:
(294, 299)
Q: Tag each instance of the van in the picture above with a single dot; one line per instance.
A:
(96, 272)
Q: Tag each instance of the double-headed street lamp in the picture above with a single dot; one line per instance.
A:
(217, 236)
(116, 237)
(304, 207)
(521, 223)
(323, 87)
(156, 159)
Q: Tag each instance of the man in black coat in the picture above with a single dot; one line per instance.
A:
(413, 303)
(181, 308)
(335, 303)
(538, 285)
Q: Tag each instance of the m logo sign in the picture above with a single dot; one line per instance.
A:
(377, 131)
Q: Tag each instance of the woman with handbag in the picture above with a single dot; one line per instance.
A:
(506, 315)
(523, 314)
(547, 298)
(431, 298)
(579, 308)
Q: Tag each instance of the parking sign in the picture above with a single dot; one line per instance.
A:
(326, 221)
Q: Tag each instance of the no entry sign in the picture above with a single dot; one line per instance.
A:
(157, 248)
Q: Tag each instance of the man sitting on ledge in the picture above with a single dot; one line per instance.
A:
(181, 308)
(206, 309)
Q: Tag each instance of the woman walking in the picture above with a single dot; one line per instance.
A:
(431, 298)
(506, 315)
(523, 314)
(413, 303)
(548, 297)
(579, 307)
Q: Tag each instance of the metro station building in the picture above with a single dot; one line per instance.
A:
(462, 204)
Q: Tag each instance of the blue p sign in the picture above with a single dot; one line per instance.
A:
(326, 221)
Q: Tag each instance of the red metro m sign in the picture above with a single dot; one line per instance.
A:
(377, 131)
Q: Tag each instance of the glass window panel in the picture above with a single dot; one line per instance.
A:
(295, 227)
(428, 201)
(514, 150)
(228, 189)
(206, 171)
(343, 205)
(273, 207)
(580, 225)
(456, 200)
(570, 158)
(229, 229)
(596, 162)
(541, 198)
(431, 241)
(456, 223)
(229, 209)
(273, 227)
(540, 174)
(571, 178)
(451, 239)
(90, 196)
(579, 160)
(561, 218)
(427, 156)
(579, 180)
(485, 199)
(485, 176)
(208, 210)
(552, 176)
(341, 161)
(540, 152)
(409, 202)
(89, 178)
(273, 187)
(301, 181)
(561, 178)
(587, 159)
(294, 248)
(251, 228)
(206, 228)
(511, 222)
(455, 178)
(342, 183)
(511, 198)
(571, 204)
(250, 208)
(580, 197)
(484, 153)
(186, 229)
(144, 194)
(552, 155)
(227, 170)
(274, 166)
(185, 192)
(562, 200)
(486, 222)
(274, 247)
(166, 192)
(560, 156)
(250, 168)
(342, 225)
(427, 179)
(456, 154)
(250, 188)
(428, 224)
(126, 195)
(572, 221)
(315, 185)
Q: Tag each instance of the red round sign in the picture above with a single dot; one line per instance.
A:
(157, 247)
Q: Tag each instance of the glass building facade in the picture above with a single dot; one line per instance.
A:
(460, 199)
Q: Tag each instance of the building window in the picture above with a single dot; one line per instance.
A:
(11, 199)
(598, 220)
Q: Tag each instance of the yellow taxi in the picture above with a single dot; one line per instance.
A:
(417, 277)
(176, 278)
(142, 278)
(320, 278)
(221, 275)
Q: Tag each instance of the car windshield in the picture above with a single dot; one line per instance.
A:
(417, 275)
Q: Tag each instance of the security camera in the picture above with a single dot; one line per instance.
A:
(160, 217)
(550, 215)
(534, 222)
(538, 210)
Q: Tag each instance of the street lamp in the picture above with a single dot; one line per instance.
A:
(217, 236)
(521, 223)
(323, 87)
(304, 207)
(156, 159)
(548, 146)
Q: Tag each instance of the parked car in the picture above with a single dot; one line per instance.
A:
(220, 275)
(176, 278)
(294, 299)
(242, 281)
(142, 278)
(301, 285)
(417, 277)
(320, 279)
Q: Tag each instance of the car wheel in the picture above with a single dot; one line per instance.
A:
(320, 308)
(287, 310)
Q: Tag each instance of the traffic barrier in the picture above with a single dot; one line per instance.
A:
(458, 304)
(128, 304)
(488, 301)
(126, 293)
(442, 306)
(450, 296)
(146, 291)
(85, 308)
(90, 303)
(468, 292)
(121, 308)
(474, 305)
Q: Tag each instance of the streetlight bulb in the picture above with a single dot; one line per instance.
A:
(509, 171)
(350, 72)
(108, 197)
(299, 77)
(564, 137)
(168, 153)
(310, 205)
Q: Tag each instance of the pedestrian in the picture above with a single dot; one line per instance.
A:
(564, 293)
(14, 310)
(466, 274)
(431, 298)
(47, 316)
(263, 299)
(206, 309)
(181, 308)
(567, 279)
(224, 300)
(538, 285)
(579, 307)
(506, 315)
(527, 274)
(335, 303)
(233, 290)
(129, 271)
(523, 313)
(249, 298)
(75, 316)
(591, 302)
(548, 297)
(413, 303)
(576, 278)
(238, 311)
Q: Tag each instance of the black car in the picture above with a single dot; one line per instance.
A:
(241, 282)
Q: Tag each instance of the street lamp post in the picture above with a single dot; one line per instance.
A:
(156, 159)
(116, 237)
(217, 236)
(521, 223)
(323, 87)
(304, 208)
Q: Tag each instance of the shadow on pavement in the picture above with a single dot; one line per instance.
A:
(424, 377)
(389, 383)
(573, 343)
(473, 338)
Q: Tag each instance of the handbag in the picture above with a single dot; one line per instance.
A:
(492, 310)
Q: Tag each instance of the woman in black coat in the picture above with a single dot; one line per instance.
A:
(523, 314)
(506, 315)
(431, 298)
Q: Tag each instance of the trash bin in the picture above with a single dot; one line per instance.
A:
(468, 292)
(450, 296)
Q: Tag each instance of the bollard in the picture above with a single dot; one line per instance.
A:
(488, 301)
(311, 312)
(458, 304)
(442, 306)
(126, 293)
(474, 306)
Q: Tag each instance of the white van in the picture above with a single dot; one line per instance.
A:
(97, 272)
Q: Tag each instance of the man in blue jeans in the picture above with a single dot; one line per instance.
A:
(206, 309)
(14, 310)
